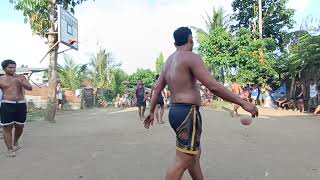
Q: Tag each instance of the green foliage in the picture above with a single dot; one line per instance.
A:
(214, 41)
(119, 83)
(276, 17)
(71, 74)
(102, 65)
(146, 75)
(159, 63)
(248, 57)
(36, 13)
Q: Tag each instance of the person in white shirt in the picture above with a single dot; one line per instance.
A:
(313, 95)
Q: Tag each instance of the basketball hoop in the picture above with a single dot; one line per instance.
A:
(72, 41)
(67, 29)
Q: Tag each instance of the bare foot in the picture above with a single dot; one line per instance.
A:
(11, 153)
(231, 114)
(17, 147)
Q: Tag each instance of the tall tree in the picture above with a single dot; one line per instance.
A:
(217, 23)
(102, 65)
(159, 63)
(42, 17)
(276, 17)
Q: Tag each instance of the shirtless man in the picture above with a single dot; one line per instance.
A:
(237, 90)
(13, 105)
(160, 104)
(181, 71)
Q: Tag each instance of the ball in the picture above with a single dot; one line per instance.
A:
(246, 121)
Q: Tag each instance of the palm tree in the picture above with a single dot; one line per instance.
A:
(102, 65)
(71, 74)
(219, 19)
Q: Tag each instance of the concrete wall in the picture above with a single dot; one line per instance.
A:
(38, 97)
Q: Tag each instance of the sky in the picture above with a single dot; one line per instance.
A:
(134, 31)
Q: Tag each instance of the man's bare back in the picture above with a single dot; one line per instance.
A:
(12, 87)
(181, 82)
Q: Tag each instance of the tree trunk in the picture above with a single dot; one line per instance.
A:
(260, 19)
(52, 70)
(293, 79)
(222, 75)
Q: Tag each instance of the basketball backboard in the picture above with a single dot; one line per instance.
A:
(67, 28)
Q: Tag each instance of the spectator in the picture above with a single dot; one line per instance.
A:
(281, 100)
(255, 93)
(299, 94)
(313, 93)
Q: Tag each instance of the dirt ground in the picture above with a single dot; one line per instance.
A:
(100, 144)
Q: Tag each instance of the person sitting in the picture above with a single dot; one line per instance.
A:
(281, 100)
(289, 105)
(117, 102)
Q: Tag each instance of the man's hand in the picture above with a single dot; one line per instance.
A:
(21, 79)
(252, 109)
(148, 121)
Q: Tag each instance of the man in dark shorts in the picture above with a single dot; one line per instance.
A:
(13, 105)
(160, 105)
(181, 72)
(140, 98)
(299, 93)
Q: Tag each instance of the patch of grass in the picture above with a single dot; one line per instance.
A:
(36, 115)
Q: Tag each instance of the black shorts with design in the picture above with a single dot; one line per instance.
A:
(185, 119)
(13, 113)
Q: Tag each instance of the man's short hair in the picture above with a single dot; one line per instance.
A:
(311, 79)
(181, 36)
(6, 63)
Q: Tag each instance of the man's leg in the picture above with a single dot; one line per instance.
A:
(143, 110)
(310, 104)
(161, 113)
(139, 111)
(156, 114)
(235, 109)
(7, 136)
(183, 162)
(195, 169)
(18, 129)
(302, 106)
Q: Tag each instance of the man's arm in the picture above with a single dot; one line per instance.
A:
(199, 70)
(151, 92)
(135, 93)
(159, 86)
(24, 82)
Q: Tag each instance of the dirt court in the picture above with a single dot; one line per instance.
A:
(100, 144)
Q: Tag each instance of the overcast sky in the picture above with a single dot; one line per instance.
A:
(135, 31)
